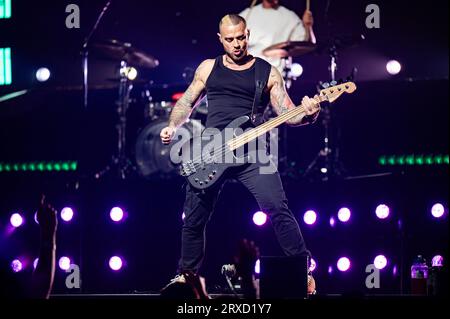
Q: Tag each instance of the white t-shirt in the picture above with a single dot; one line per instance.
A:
(271, 26)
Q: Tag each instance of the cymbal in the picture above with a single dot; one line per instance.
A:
(117, 50)
(289, 48)
(298, 48)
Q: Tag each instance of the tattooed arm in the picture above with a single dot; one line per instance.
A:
(183, 108)
(282, 103)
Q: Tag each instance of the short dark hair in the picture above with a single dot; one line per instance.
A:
(234, 19)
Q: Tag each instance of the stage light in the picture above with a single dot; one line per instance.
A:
(43, 74)
(330, 269)
(310, 217)
(296, 70)
(382, 211)
(5, 9)
(116, 214)
(259, 218)
(64, 263)
(437, 261)
(332, 221)
(16, 220)
(35, 218)
(35, 263)
(5, 66)
(115, 263)
(324, 170)
(183, 216)
(67, 214)
(395, 270)
(257, 267)
(16, 265)
(344, 214)
(343, 264)
(312, 265)
(132, 74)
(437, 210)
(393, 67)
(380, 262)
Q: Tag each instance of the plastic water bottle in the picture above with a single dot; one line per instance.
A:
(419, 276)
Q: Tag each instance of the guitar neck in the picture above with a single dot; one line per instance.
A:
(266, 127)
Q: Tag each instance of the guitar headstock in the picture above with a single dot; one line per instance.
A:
(332, 93)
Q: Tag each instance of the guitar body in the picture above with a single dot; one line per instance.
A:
(204, 160)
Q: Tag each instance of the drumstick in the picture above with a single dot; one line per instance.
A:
(308, 5)
(253, 3)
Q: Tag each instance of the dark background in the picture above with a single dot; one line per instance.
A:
(402, 114)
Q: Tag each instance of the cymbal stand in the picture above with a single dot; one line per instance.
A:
(119, 161)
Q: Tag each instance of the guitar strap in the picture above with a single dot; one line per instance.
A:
(262, 72)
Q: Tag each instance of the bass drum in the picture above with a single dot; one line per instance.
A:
(153, 158)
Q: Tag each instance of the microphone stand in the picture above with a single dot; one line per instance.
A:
(85, 54)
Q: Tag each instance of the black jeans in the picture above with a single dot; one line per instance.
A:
(269, 193)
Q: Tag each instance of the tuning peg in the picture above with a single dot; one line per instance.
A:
(325, 85)
(333, 83)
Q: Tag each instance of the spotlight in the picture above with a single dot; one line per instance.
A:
(313, 265)
(64, 263)
(380, 262)
(16, 265)
(330, 269)
(332, 221)
(35, 263)
(67, 214)
(437, 210)
(343, 264)
(116, 214)
(296, 70)
(382, 211)
(310, 217)
(115, 263)
(132, 74)
(393, 67)
(257, 267)
(437, 261)
(183, 216)
(16, 220)
(259, 218)
(35, 218)
(43, 74)
(344, 214)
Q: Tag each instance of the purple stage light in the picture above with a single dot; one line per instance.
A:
(16, 265)
(183, 216)
(115, 263)
(344, 214)
(259, 218)
(438, 210)
(382, 211)
(310, 217)
(393, 67)
(332, 221)
(343, 264)
(380, 262)
(330, 269)
(116, 214)
(257, 267)
(313, 265)
(16, 220)
(67, 214)
(35, 263)
(64, 263)
(437, 261)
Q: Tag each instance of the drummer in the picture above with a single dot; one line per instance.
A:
(271, 23)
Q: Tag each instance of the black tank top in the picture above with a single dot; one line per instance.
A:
(230, 94)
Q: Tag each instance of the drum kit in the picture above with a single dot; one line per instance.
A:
(152, 158)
